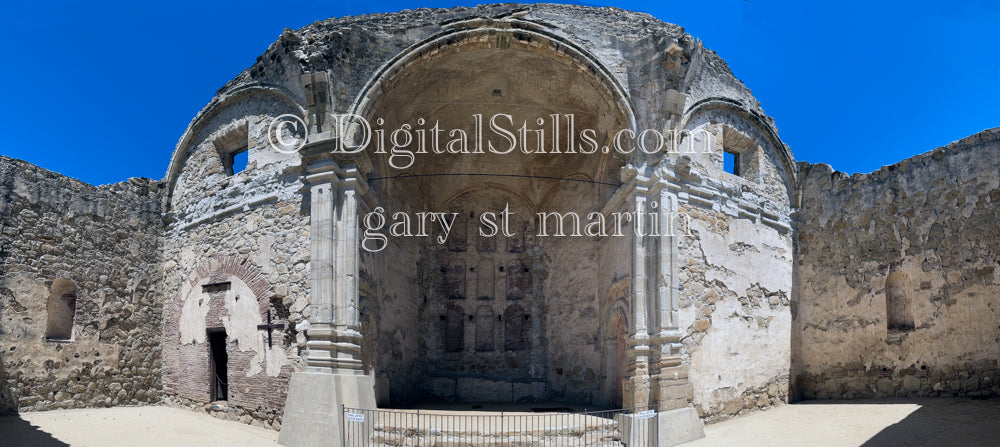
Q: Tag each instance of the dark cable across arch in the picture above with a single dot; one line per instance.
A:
(494, 175)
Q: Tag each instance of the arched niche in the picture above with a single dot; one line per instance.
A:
(61, 309)
(898, 302)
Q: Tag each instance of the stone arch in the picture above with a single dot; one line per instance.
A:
(217, 267)
(485, 34)
(212, 298)
(61, 310)
(759, 122)
(428, 85)
(899, 316)
(513, 35)
(212, 110)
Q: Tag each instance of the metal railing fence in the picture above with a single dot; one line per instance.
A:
(609, 428)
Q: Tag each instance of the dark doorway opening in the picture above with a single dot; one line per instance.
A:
(219, 364)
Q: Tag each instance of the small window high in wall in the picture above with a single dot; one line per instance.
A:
(234, 149)
(731, 162)
(238, 161)
(741, 155)
(61, 309)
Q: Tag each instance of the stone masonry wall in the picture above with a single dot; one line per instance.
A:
(101, 243)
(898, 286)
(236, 248)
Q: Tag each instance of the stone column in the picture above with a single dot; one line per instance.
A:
(346, 311)
(334, 377)
(671, 389)
(320, 346)
(677, 421)
(636, 388)
(657, 376)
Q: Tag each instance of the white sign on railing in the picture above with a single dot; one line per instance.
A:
(355, 417)
(648, 414)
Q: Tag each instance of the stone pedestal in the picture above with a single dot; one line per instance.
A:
(666, 429)
(679, 426)
(312, 412)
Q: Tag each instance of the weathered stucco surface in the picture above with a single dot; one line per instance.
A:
(104, 242)
(247, 230)
(762, 275)
(932, 217)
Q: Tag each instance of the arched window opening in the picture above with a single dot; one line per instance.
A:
(899, 316)
(454, 280)
(61, 309)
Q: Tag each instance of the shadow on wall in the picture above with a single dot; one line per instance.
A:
(8, 403)
(795, 338)
(17, 432)
(965, 422)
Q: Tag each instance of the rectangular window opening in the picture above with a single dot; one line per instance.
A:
(731, 162)
(238, 161)
(216, 287)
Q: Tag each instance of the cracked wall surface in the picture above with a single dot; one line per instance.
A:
(106, 242)
(780, 271)
(931, 222)
(249, 232)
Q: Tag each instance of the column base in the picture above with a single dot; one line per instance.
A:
(312, 410)
(667, 429)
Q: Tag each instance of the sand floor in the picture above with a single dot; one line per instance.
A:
(128, 426)
(869, 423)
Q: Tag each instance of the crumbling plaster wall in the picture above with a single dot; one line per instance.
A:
(645, 55)
(107, 241)
(647, 58)
(251, 229)
(934, 218)
(734, 256)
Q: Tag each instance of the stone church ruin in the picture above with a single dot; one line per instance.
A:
(248, 293)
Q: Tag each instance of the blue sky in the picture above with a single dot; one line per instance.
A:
(103, 91)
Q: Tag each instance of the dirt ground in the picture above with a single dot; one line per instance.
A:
(868, 423)
(128, 426)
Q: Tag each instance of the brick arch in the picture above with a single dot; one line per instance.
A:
(217, 267)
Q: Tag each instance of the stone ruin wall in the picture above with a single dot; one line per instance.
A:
(921, 234)
(735, 268)
(740, 300)
(106, 242)
(249, 229)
